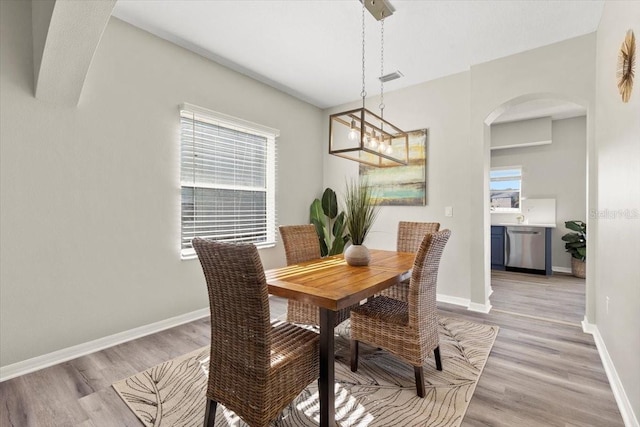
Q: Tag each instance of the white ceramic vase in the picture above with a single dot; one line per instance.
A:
(357, 255)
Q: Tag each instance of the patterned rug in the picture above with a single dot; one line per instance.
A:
(381, 393)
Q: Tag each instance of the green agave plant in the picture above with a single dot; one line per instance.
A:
(576, 242)
(330, 225)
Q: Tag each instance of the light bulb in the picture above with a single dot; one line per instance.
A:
(373, 141)
(389, 149)
(353, 133)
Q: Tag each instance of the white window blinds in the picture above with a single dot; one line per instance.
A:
(227, 173)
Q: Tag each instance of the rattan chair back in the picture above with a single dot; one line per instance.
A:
(422, 286)
(300, 243)
(411, 234)
(239, 304)
(408, 328)
(257, 367)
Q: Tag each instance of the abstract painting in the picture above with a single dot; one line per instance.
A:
(402, 185)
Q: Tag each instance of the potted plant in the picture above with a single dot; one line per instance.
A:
(329, 223)
(577, 246)
(360, 215)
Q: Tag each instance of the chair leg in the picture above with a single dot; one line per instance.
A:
(210, 413)
(354, 355)
(419, 380)
(436, 354)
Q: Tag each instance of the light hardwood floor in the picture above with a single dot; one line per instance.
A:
(543, 370)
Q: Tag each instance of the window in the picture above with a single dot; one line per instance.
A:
(227, 174)
(505, 189)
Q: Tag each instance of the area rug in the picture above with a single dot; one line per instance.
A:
(381, 393)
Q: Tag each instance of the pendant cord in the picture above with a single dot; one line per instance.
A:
(382, 68)
(363, 94)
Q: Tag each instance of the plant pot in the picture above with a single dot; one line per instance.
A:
(578, 268)
(357, 255)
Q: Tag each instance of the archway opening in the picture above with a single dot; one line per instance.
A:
(560, 113)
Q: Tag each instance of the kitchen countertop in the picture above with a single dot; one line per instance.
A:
(515, 224)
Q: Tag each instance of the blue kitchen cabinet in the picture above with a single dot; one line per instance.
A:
(497, 247)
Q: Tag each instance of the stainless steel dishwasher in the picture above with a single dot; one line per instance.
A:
(525, 247)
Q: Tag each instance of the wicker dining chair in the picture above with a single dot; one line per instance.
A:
(407, 329)
(300, 245)
(410, 235)
(257, 367)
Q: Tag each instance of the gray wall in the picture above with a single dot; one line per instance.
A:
(617, 216)
(496, 86)
(555, 171)
(521, 133)
(440, 105)
(90, 195)
(454, 109)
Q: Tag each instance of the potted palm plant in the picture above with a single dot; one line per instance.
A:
(360, 214)
(576, 245)
(329, 223)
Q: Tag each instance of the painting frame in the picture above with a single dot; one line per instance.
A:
(402, 185)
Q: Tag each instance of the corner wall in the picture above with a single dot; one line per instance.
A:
(562, 70)
(90, 195)
(618, 211)
(454, 109)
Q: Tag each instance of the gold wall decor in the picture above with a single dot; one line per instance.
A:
(626, 65)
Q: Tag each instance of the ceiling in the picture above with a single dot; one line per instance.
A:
(312, 49)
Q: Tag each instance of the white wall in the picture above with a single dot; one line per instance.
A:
(618, 211)
(440, 106)
(454, 109)
(562, 70)
(554, 171)
(521, 133)
(90, 195)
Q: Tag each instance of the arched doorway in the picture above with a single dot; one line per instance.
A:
(531, 106)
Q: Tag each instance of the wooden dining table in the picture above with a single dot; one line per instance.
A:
(331, 284)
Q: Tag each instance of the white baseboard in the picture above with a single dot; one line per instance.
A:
(464, 302)
(561, 269)
(59, 356)
(628, 416)
(588, 328)
(480, 308)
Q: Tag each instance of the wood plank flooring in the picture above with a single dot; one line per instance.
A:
(558, 297)
(543, 370)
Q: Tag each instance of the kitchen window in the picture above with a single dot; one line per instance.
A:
(505, 189)
(227, 176)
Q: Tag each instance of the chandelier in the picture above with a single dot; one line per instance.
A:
(360, 134)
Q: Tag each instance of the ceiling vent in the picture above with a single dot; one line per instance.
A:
(391, 76)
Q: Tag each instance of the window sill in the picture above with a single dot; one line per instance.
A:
(189, 254)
